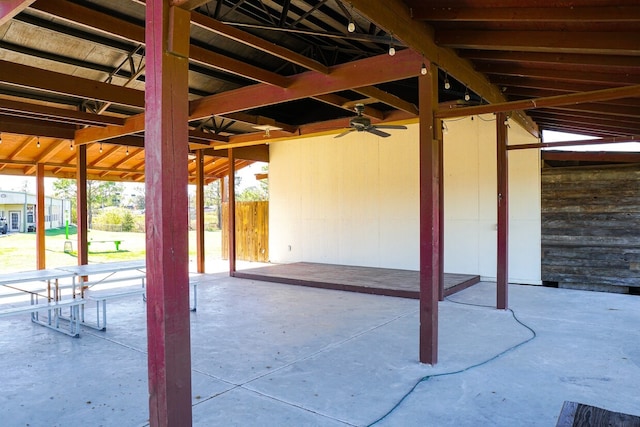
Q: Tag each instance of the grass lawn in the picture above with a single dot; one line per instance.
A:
(18, 250)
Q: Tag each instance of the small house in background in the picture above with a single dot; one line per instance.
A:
(19, 209)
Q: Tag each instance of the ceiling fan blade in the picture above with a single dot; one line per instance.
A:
(390, 126)
(344, 133)
(375, 131)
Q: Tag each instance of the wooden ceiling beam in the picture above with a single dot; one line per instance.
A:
(347, 104)
(425, 12)
(246, 141)
(197, 136)
(10, 8)
(62, 115)
(132, 153)
(615, 62)
(260, 120)
(35, 127)
(256, 42)
(557, 74)
(517, 93)
(534, 83)
(613, 110)
(586, 156)
(552, 101)
(133, 124)
(189, 4)
(364, 72)
(20, 148)
(396, 17)
(599, 116)
(105, 155)
(127, 31)
(233, 66)
(91, 19)
(611, 140)
(603, 124)
(69, 162)
(47, 154)
(580, 128)
(606, 43)
(51, 81)
(387, 98)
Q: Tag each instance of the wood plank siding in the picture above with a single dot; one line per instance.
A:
(591, 226)
(252, 231)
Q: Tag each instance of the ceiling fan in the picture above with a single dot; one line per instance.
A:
(363, 124)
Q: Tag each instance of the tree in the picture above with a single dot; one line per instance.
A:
(99, 193)
(256, 193)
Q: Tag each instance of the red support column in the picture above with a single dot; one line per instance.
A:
(81, 203)
(232, 212)
(200, 211)
(437, 127)
(429, 220)
(166, 149)
(502, 275)
(40, 225)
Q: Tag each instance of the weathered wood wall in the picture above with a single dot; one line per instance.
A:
(252, 231)
(591, 226)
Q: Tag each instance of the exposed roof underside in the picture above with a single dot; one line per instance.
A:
(72, 72)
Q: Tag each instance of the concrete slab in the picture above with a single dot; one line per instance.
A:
(265, 354)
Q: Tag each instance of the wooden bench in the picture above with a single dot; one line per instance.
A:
(578, 414)
(115, 242)
(54, 314)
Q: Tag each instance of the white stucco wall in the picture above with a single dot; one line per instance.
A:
(470, 186)
(354, 201)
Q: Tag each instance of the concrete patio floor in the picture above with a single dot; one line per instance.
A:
(266, 354)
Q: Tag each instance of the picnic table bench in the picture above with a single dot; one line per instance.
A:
(44, 300)
(115, 242)
(83, 280)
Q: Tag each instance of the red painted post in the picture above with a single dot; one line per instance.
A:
(440, 138)
(502, 274)
(232, 212)
(166, 149)
(82, 205)
(429, 220)
(40, 225)
(200, 211)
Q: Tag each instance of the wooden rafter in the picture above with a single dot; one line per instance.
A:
(344, 103)
(618, 63)
(26, 109)
(569, 75)
(425, 12)
(36, 127)
(388, 98)
(51, 81)
(46, 154)
(10, 8)
(553, 101)
(364, 72)
(135, 33)
(609, 43)
(259, 43)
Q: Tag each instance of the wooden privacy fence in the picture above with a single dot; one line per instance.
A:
(590, 226)
(252, 231)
